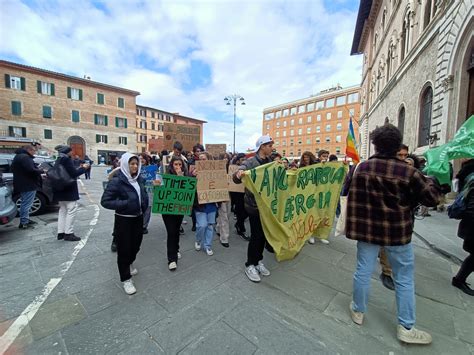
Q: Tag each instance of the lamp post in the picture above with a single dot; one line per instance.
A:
(233, 99)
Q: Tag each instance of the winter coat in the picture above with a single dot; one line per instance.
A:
(26, 176)
(70, 193)
(466, 225)
(121, 196)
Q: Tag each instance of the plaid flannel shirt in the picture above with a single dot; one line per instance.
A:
(382, 196)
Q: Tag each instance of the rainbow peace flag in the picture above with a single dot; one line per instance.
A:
(351, 150)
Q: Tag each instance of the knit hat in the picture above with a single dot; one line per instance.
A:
(63, 148)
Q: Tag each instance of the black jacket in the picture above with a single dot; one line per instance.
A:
(70, 193)
(466, 226)
(26, 176)
(121, 196)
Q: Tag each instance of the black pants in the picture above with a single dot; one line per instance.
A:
(257, 241)
(172, 224)
(128, 235)
(467, 267)
(88, 174)
(239, 208)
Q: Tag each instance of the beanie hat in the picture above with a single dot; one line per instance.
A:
(63, 148)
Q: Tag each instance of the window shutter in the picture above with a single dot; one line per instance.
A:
(97, 138)
(106, 121)
(7, 81)
(16, 108)
(116, 121)
(125, 124)
(125, 138)
(52, 89)
(10, 131)
(96, 119)
(80, 94)
(68, 92)
(38, 86)
(23, 84)
(23, 132)
(105, 139)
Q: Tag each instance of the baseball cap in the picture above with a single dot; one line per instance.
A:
(263, 140)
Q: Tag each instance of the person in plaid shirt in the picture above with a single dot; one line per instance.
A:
(382, 195)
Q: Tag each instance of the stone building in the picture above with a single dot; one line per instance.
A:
(313, 123)
(93, 118)
(418, 68)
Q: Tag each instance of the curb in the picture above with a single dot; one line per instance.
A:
(441, 252)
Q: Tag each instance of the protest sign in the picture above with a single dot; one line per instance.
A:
(188, 135)
(148, 173)
(175, 195)
(295, 204)
(215, 150)
(212, 185)
(233, 187)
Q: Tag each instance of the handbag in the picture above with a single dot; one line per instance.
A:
(59, 177)
(341, 221)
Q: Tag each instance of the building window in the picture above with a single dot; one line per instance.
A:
(120, 122)
(292, 132)
(48, 134)
(318, 129)
(100, 98)
(319, 105)
(153, 126)
(15, 82)
(142, 138)
(278, 125)
(278, 114)
(299, 141)
(338, 150)
(100, 120)
(74, 94)
(425, 117)
(121, 102)
(427, 16)
(284, 152)
(318, 118)
(143, 124)
(401, 120)
(47, 112)
(45, 88)
(101, 138)
(268, 127)
(308, 120)
(152, 114)
(301, 108)
(75, 116)
(300, 120)
(284, 133)
(339, 114)
(310, 107)
(286, 113)
(328, 139)
(293, 111)
(318, 140)
(341, 100)
(352, 98)
(277, 143)
(299, 152)
(269, 116)
(16, 108)
(328, 128)
(339, 126)
(308, 130)
(277, 134)
(328, 116)
(292, 122)
(308, 140)
(330, 103)
(284, 123)
(300, 131)
(351, 113)
(292, 142)
(283, 142)
(123, 140)
(338, 139)
(16, 131)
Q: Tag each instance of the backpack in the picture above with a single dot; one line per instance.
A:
(459, 206)
(59, 177)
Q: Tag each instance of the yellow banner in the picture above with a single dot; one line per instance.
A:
(295, 204)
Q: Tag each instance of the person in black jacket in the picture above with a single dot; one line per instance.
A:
(26, 181)
(68, 197)
(466, 227)
(126, 195)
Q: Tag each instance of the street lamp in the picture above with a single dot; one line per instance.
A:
(234, 99)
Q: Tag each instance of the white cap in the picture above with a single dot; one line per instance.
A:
(263, 140)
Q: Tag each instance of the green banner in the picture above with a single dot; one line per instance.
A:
(462, 146)
(175, 195)
(295, 204)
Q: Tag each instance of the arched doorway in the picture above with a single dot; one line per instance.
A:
(425, 117)
(78, 146)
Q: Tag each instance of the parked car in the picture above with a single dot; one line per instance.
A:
(44, 196)
(8, 208)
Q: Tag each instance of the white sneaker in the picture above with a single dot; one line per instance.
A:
(252, 273)
(184, 222)
(413, 336)
(172, 266)
(129, 287)
(209, 252)
(197, 246)
(311, 240)
(133, 270)
(357, 317)
(179, 255)
(324, 241)
(262, 269)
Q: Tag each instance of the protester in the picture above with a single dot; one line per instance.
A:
(197, 149)
(307, 159)
(254, 266)
(26, 181)
(388, 189)
(68, 197)
(286, 163)
(402, 153)
(89, 162)
(145, 160)
(275, 156)
(222, 221)
(466, 226)
(323, 156)
(126, 195)
(239, 204)
(332, 157)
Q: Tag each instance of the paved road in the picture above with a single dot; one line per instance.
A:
(65, 298)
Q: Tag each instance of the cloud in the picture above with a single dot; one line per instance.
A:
(186, 56)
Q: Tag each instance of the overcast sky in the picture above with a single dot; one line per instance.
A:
(186, 56)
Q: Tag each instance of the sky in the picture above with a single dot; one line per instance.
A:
(186, 56)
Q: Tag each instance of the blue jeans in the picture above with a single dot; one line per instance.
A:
(27, 199)
(205, 228)
(402, 259)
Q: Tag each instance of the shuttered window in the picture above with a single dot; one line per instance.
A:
(16, 108)
(47, 112)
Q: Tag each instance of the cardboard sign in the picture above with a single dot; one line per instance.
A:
(188, 135)
(233, 187)
(175, 195)
(212, 181)
(148, 173)
(215, 150)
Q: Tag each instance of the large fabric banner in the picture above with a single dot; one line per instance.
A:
(295, 204)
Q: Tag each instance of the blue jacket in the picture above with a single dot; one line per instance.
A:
(121, 196)
(70, 193)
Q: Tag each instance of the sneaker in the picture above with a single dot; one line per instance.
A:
(71, 237)
(225, 245)
(172, 266)
(357, 317)
(60, 236)
(387, 281)
(185, 222)
(133, 270)
(129, 287)
(197, 246)
(413, 335)
(324, 241)
(252, 273)
(179, 255)
(311, 240)
(262, 270)
(25, 226)
(113, 247)
(209, 252)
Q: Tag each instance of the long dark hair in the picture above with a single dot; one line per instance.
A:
(171, 168)
(312, 159)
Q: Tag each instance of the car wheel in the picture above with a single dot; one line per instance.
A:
(39, 203)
